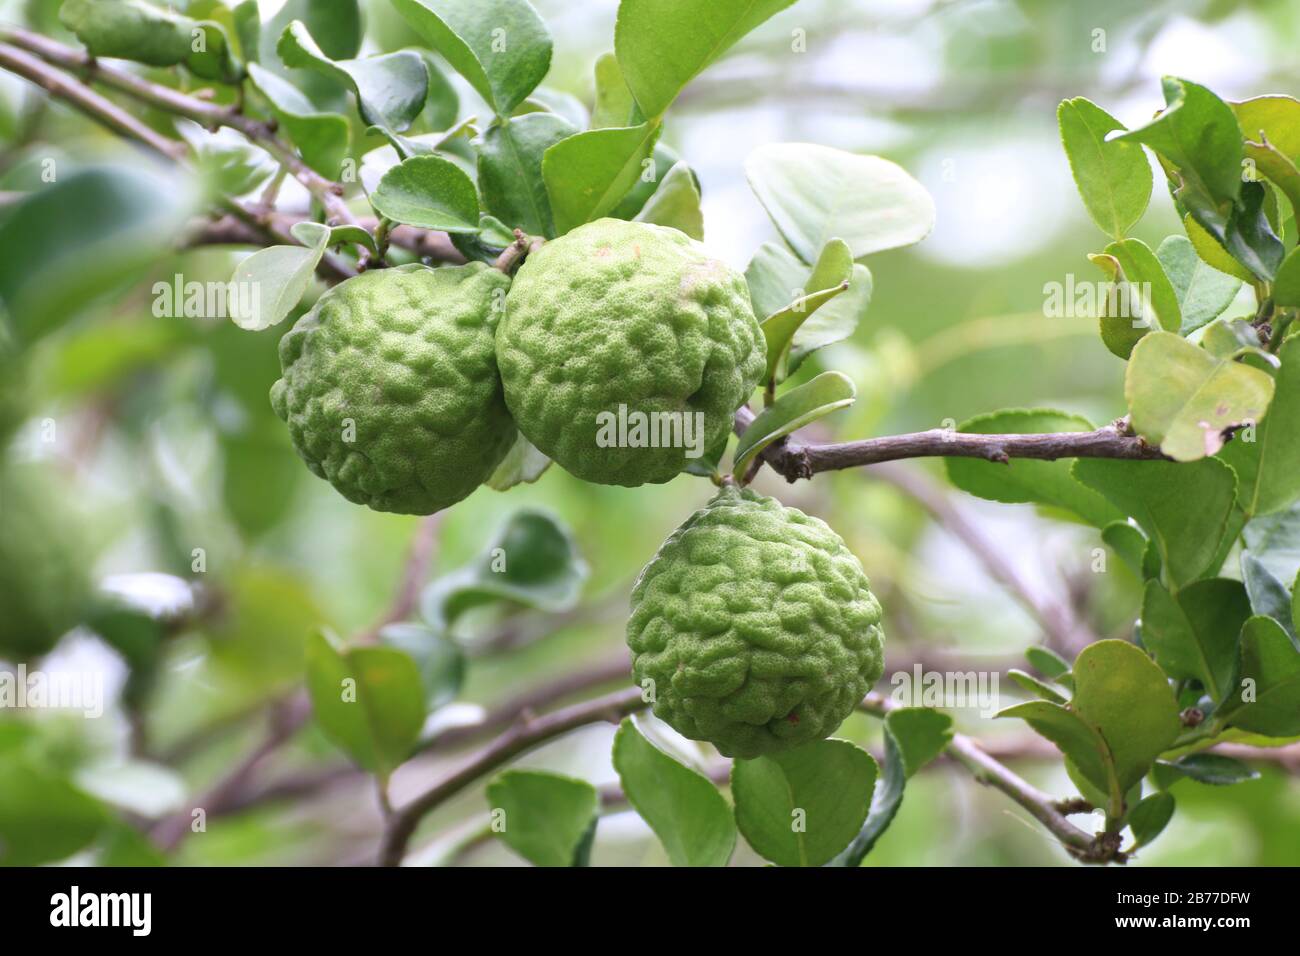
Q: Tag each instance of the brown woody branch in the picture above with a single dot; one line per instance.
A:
(793, 460)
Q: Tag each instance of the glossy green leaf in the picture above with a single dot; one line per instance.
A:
(1183, 508)
(795, 408)
(146, 33)
(831, 276)
(1040, 482)
(1203, 291)
(662, 45)
(1114, 178)
(510, 170)
(1194, 635)
(1047, 662)
(501, 47)
(586, 175)
(1036, 687)
(1274, 119)
(1270, 596)
(922, 733)
(1212, 252)
(776, 277)
(543, 817)
(336, 25)
(1267, 457)
(676, 203)
(368, 700)
(1134, 548)
(277, 277)
(801, 807)
(1286, 288)
(531, 562)
(1183, 398)
(683, 808)
(1250, 236)
(814, 194)
(390, 88)
(321, 137)
(1266, 699)
(1139, 297)
(1274, 540)
(1149, 818)
(429, 192)
(614, 103)
(1213, 769)
(1198, 133)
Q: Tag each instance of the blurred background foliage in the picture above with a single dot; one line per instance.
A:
(163, 437)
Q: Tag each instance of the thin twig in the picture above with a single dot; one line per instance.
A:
(794, 461)
(523, 736)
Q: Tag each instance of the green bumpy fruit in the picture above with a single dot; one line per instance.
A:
(390, 386)
(610, 327)
(756, 625)
(44, 581)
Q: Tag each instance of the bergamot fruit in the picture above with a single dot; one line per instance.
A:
(390, 386)
(44, 581)
(625, 350)
(756, 625)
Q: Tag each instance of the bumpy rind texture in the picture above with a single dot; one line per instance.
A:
(44, 582)
(406, 356)
(623, 314)
(756, 625)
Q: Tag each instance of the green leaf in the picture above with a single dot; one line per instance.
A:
(776, 277)
(1274, 540)
(368, 700)
(662, 45)
(1023, 481)
(913, 737)
(814, 194)
(1266, 699)
(676, 203)
(277, 277)
(795, 408)
(510, 170)
(614, 103)
(1203, 291)
(1198, 133)
(501, 47)
(43, 817)
(336, 25)
(543, 817)
(429, 192)
(682, 807)
(1213, 769)
(831, 276)
(1194, 635)
(1036, 687)
(321, 137)
(84, 238)
(586, 175)
(1286, 288)
(1114, 178)
(1183, 508)
(1250, 237)
(801, 807)
(139, 31)
(1212, 252)
(390, 88)
(1134, 548)
(1269, 596)
(531, 562)
(1150, 817)
(1138, 298)
(1122, 717)
(1267, 457)
(1047, 662)
(1278, 168)
(439, 661)
(922, 733)
(1183, 398)
(522, 465)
